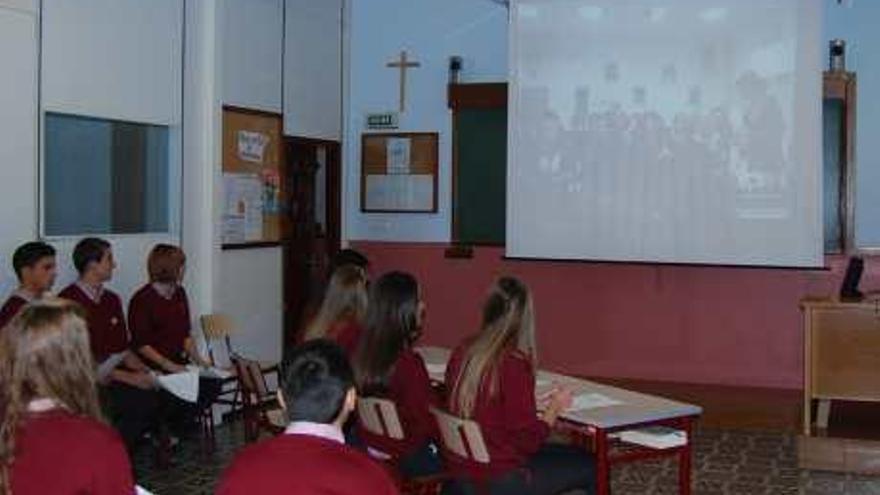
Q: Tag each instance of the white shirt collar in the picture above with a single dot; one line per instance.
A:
(94, 293)
(165, 290)
(322, 430)
(43, 404)
(27, 295)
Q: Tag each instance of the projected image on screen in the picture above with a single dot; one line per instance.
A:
(675, 131)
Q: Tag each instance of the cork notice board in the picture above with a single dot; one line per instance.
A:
(253, 185)
(399, 172)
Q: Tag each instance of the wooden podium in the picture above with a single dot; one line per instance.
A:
(841, 362)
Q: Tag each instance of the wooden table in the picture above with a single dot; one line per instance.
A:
(600, 425)
(841, 355)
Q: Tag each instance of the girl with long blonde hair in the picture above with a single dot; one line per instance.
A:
(49, 412)
(491, 380)
(342, 310)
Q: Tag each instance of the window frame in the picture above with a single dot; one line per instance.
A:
(175, 185)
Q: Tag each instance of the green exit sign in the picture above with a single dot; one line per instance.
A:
(386, 120)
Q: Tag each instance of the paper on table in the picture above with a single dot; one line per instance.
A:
(141, 491)
(109, 365)
(184, 385)
(583, 402)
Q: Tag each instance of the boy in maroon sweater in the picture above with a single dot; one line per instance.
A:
(34, 265)
(311, 456)
(127, 390)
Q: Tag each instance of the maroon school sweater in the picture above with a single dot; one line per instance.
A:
(409, 387)
(107, 331)
(58, 452)
(304, 464)
(347, 334)
(11, 308)
(159, 322)
(508, 420)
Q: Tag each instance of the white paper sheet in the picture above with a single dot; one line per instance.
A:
(184, 385)
(400, 192)
(243, 208)
(252, 146)
(583, 402)
(397, 155)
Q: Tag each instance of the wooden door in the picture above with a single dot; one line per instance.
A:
(314, 213)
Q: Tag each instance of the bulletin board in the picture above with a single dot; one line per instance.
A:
(399, 172)
(253, 183)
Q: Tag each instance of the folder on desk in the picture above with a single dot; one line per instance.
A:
(656, 437)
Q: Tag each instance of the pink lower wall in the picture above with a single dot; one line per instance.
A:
(718, 325)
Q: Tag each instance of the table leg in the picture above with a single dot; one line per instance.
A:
(684, 460)
(822, 414)
(603, 478)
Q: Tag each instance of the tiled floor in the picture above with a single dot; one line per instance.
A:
(726, 462)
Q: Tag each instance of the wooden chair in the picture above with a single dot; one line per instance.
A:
(220, 327)
(260, 406)
(379, 417)
(463, 438)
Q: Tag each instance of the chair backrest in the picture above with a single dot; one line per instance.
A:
(250, 376)
(462, 437)
(218, 326)
(379, 417)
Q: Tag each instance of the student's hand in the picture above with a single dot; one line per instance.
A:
(558, 401)
(172, 367)
(143, 381)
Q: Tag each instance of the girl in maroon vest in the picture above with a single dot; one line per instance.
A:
(491, 379)
(387, 366)
(52, 439)
(342, 310)
(159, 320)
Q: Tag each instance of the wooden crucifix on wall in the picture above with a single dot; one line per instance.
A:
(403, 63)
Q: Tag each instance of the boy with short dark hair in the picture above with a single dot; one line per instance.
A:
(318, 395)
(34, 264)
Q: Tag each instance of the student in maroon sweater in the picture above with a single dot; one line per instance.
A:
(318, 289)
(387, 366)
(128, 391)
(159, 320)
(491, 379)
(52, 438)
(342, 310)
(310, 457)
(34, 265)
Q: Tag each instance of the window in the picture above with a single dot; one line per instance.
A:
(107, 177)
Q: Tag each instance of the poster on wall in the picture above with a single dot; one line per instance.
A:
(399, 172)
(243, 208)
(253, 185)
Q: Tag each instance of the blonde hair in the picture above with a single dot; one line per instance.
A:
(346, 298)
(508, 323)
(44, 353)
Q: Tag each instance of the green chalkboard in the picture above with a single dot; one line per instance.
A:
(481, 175)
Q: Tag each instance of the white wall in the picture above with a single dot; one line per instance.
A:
(116, 59)
(313, 68)
(249, 282)
(252, 36)
(379, 30)
(18, 131)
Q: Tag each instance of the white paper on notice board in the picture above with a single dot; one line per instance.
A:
(400, 192)
(243, 208)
